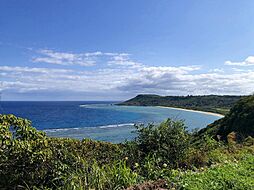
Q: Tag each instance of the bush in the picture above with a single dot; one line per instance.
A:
(168, 143)
(28, 158)
(199, 153)
(24, 152)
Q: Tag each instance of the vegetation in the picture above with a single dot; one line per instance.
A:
(167, 143)
(230, 174)
(211, 103)
(166, 156)
(29, 158)
(239, 122)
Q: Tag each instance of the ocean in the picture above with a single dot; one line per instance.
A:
(97, 120)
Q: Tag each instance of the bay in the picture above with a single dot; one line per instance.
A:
(98, 120)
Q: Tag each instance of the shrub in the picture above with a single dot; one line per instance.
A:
(24, 152)
(167, 142)
(198, 155)
(28, 158)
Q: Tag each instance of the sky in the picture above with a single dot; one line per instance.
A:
(116, 49)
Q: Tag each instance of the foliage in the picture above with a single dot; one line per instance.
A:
(93, 176)
(212, 103)
(23, 150)
(29, 158)
(167, 142)
(230, 174)
(239, 120)
(198, 155)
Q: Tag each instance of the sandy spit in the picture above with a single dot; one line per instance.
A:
(204, 112)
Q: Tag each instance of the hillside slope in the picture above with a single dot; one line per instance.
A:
(212, 103)
(239, 120)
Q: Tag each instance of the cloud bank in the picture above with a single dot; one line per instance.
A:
(249, 61)
(117, 74)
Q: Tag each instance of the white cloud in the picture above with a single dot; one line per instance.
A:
(184, 82)
(122, 75)
(49, 56)
(123, 59)
(97, 53)
(144, 79)
(216, 70)
(32, 70)
(249, 61)
(82, 59)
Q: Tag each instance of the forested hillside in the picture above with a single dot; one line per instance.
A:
(239, 121)
(212, 103)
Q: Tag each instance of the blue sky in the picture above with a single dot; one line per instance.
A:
(113, 50)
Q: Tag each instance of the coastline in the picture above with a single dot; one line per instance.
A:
(190, 110)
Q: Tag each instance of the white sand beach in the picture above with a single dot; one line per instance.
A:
(190, 110)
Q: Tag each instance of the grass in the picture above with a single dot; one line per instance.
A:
(114, 176)
(236, 174)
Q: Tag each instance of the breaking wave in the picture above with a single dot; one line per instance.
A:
(78, 128)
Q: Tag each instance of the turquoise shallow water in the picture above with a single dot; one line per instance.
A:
(98, 120)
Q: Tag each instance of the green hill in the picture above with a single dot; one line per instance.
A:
(211, 103)
(239, 121)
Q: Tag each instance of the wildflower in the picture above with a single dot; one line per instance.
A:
(165, 165)
(126, 158)
(136, 165)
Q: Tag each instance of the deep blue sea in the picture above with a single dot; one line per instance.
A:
(97, 120)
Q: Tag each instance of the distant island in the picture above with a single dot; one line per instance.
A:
(208, 103)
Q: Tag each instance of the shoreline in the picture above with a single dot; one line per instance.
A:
(190, 110)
